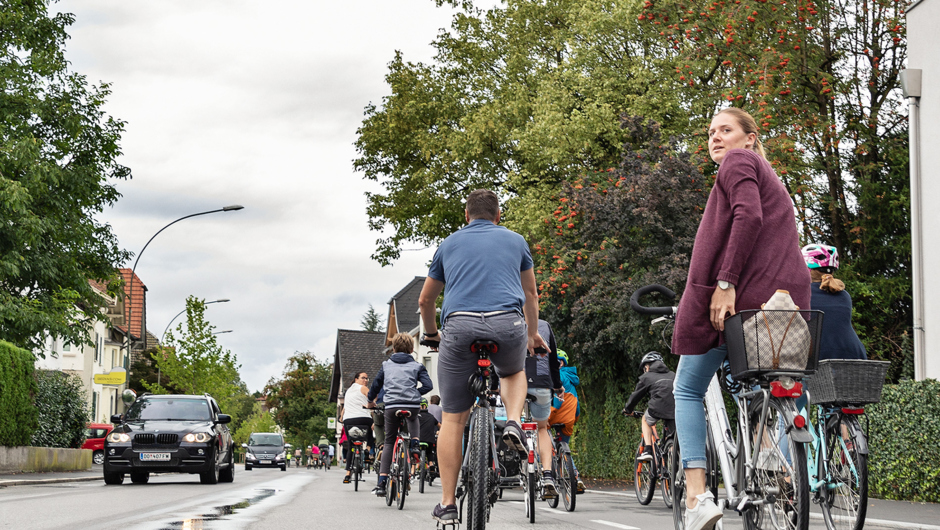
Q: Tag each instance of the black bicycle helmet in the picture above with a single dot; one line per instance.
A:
(650, 358)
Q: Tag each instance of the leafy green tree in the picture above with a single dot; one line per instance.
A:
(257, 421)
(300, 400)
(58, 164)
(194, 363)
(372, 321)
(63, 412)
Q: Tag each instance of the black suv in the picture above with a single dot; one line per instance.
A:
(170, 433)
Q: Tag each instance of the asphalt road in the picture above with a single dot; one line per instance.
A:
(299, 498)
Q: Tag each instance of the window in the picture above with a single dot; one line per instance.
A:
(66, 347)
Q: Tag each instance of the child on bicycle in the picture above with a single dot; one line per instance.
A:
(541, 371)
(405, 380)
(428, 436)
(656, 381)
(566, 408)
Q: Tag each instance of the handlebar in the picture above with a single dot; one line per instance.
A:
(433, 344)
(655, 288)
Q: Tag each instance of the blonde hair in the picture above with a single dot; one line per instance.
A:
(827, 282)
(749, 125)
(403, 342)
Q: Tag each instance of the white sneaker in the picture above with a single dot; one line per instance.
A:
(704, 515)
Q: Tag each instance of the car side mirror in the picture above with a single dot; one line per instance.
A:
(287, 446)
(245, 446)
(117, 418)
(223, 418)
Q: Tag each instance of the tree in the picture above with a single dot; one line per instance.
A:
(257, 421)
(195, 363)
(300, 400)
(63, 411)
(58, 164)
(372, 321)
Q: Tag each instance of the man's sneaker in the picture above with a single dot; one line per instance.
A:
(379, 491)
(346, 479)
(548, 486)
(512, 435)
(445, 514)
(647, 454)
(704, 515)
(581, 487)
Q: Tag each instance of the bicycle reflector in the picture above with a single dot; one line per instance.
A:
(483, 363)
(531, 457)
(853, 411)
(799, 422)
(786, 387)
(530, 426)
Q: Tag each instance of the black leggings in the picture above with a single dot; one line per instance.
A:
(391, 432)
(353, 422)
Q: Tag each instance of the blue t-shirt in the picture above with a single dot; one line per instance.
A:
(838, 339)
(480, 266)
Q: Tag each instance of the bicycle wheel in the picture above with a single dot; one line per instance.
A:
(422, 470)
(390, 488)
(845, 500)
(567, 482)
(556, 472)
(665, 472)
(355, 468)
(678, 488)
(404, 465)
(644, 480)
(530, 486)
(477, 500)
(775, 477)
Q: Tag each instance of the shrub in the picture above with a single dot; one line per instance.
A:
(17, 387)
(63, 413)
(904, 442)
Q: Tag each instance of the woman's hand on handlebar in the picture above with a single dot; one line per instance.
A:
(722, 306)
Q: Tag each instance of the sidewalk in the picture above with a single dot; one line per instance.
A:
(881, 513)
(22, 479)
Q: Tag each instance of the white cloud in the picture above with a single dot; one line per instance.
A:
(254, 103)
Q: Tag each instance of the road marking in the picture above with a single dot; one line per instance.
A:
(615, 525)
(618, 494)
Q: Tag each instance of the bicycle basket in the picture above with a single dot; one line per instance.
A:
(848, 381)
(778, 341)
(357, 433)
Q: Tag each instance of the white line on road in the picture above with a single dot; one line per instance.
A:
(615, 525)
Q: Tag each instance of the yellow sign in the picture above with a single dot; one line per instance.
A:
(117, 376)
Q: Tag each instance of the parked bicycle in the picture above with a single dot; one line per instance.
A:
(767, 486)
(648, 471)
(838, 463)
(478, 484)
(566, 482)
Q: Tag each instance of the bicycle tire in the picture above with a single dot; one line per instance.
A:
(665, 472)
(772, 473)
(422, 470)
(355, 469)
(479, 469)
(644, 480)
(678, 488)
(404, 465)
(845, 506)
(567, 482)
(556, 472)
(390, 489)
(531, 485)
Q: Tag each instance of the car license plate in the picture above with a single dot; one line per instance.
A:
(265, 461)
(154, 457)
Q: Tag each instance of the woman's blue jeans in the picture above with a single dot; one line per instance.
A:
(692, 378)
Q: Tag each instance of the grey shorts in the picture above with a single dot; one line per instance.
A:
(651, 421)
(456, 364)
(541, 408)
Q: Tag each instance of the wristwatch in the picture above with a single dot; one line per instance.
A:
(724, 285)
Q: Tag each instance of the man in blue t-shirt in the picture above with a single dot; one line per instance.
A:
(491, 295)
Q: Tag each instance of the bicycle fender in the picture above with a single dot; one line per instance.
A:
(856, 434)
(796, 434)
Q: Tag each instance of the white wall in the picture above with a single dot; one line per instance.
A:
(923, 45)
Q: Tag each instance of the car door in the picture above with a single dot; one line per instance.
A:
(222, 434)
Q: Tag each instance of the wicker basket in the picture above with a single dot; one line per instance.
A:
(773, 341)
(848, 382)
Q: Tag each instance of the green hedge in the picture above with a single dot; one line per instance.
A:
(904, 441)
(17, 389)
(63, 411)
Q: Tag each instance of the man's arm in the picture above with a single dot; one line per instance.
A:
(531, 309)
(427, 303)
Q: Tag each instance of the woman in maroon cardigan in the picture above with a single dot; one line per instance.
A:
(746, 247)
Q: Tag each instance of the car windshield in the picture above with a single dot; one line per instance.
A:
(265, 439)
(169, 409)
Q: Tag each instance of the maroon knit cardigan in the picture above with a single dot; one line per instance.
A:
(748, 237)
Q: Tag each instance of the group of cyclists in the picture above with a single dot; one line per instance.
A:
(747, 248)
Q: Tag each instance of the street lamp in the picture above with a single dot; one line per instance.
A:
(225, 331)
(219, 301)
(230, 208)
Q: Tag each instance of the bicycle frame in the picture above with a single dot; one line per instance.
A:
(819, 472)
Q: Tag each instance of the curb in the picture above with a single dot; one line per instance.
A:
(27, 482)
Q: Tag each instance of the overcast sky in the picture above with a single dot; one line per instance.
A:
(252, 103)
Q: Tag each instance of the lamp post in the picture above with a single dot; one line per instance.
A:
(219, 301)
(230, 208)
(224, 331)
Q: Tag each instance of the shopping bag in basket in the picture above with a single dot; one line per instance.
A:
(777, 338)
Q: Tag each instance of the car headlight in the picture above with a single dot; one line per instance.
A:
(280, 455)
(118, 437)
(197, 437)
(250, 456)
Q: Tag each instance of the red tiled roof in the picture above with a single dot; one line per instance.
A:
(135, 291)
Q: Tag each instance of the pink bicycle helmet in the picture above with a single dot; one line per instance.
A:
(821, 257)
